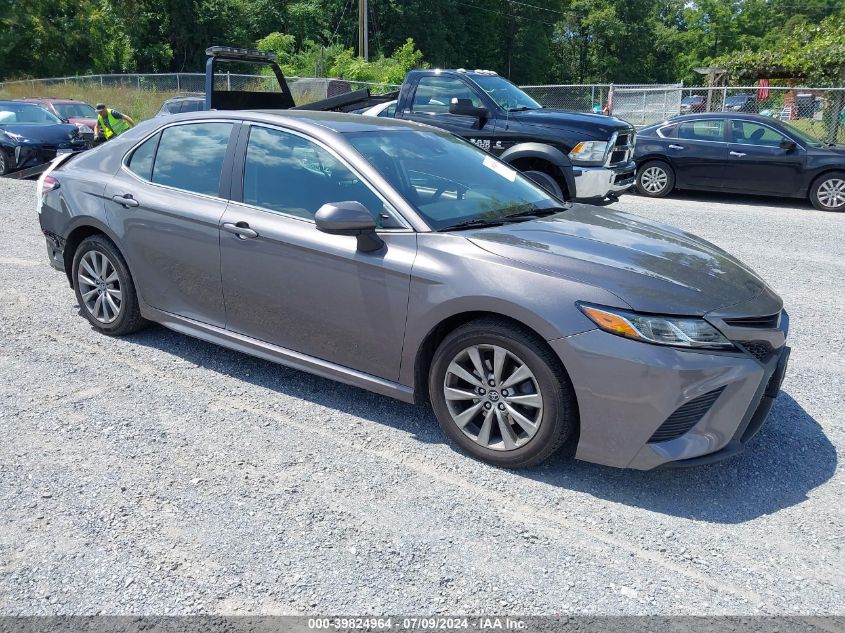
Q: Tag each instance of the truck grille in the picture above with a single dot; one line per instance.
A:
(685, 417)
(622, 148)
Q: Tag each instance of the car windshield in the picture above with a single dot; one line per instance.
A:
(450, 182)
(25, 113)
(505, 93)
(75, 110)
(693, 99)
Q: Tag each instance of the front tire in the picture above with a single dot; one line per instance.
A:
(5, 165)
(828, 192)
(104, 287)
(546, 181)
(655, 179)
(501, 394)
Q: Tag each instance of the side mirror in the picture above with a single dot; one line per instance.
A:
(788, 145)
(465, 107)
(349, 218)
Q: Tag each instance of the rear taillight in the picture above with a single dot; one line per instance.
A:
(48, 184)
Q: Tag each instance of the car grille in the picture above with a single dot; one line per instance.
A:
(685, 417)
(623, 148)
(770, 322)
(758, 349)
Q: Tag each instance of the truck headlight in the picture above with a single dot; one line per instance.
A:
(589, 152)
(661, 330)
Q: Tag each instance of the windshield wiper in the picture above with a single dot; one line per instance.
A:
(521, 109)
(521, 216)
(473, 224)
(532, 213)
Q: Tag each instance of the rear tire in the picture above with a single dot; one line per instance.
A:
(514, 416)
(546, 181)
(655, 179)
(4, 162)
(828, 192)
(104, 287)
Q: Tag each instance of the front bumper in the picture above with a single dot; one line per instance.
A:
(593, 183)
(25, 156)
(627, 389)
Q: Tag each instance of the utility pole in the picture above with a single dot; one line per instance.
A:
(363, 42)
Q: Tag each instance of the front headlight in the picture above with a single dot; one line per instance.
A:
(662, 330)
(15, 137)
(589, 152)
(84, 129)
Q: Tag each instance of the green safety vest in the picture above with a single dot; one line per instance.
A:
(112, 127)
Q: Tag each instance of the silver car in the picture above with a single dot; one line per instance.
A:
(401, 259)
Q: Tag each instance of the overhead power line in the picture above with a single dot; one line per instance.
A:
(507, 15)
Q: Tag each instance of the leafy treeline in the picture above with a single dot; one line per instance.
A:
(532, 41)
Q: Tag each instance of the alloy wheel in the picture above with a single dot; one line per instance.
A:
(99, 286)
(493, 397)
(654, 179)
(831, 193)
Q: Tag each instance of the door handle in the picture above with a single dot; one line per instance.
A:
(125, 200)
(240, 229)
(676, 147)
(737, 154)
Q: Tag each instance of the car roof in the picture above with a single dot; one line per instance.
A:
(721, 115)
(49, 100)
(339, 122)
(186, 98)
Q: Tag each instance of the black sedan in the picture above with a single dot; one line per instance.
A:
(30, 136)
(739, 153)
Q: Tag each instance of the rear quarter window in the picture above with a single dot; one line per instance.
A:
(141, 160)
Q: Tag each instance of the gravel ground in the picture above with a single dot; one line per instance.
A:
(158, 474)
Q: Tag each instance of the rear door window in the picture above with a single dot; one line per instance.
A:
(190, 157)
(702, 130)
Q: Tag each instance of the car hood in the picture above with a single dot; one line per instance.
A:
(83, 121)
(652, 267)
(50, 133)
(826, 149)
(597, 126)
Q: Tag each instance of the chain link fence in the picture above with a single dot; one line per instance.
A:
(638, 104)
(818, 111)
(142, 95)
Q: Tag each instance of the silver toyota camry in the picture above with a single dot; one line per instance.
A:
(401, 259)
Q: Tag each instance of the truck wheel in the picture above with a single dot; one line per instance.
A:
(655, 179)
(828, 192)
(104, 287)
(501, 394)
(546, 181)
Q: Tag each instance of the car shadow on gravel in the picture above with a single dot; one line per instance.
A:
(734, 199)
(778, 468)
(788, 458)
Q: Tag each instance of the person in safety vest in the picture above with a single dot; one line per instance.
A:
(111, 123)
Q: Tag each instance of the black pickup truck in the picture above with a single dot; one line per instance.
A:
(573, 155)
(584, 156)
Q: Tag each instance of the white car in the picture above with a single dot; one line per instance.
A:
(386, 109)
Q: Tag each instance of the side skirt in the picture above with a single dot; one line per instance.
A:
(276, 354)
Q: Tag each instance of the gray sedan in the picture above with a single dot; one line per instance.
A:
(401, 259)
